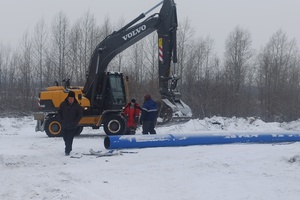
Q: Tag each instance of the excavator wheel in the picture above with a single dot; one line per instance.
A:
(53, 127)
(114, 125)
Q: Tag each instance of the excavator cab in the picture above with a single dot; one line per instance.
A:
(110, 93)
(117, 91)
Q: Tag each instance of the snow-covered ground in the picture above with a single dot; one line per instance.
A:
(33, 166)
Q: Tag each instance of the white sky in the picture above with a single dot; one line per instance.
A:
(216, 18)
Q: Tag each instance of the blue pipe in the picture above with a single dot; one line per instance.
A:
(172, 140)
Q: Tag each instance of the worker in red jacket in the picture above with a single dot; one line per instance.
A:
(132, 111)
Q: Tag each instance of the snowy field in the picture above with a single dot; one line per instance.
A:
(33, 166)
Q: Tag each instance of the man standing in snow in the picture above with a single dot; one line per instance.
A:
(69, 113)
(132, 110)
(149, 115)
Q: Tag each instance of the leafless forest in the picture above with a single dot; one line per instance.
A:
(243, 82)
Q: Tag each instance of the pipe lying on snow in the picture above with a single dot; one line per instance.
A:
(172, 140)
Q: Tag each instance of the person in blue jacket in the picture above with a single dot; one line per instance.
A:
(149, 115)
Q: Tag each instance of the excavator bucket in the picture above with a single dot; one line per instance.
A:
(173, 111)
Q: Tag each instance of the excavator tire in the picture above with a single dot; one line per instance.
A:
(114, 125)
(53, 127)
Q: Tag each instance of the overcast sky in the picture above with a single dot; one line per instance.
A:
(214, 18)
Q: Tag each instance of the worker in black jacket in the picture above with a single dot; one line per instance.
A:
(69, 113)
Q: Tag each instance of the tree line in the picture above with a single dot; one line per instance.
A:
(243, 82)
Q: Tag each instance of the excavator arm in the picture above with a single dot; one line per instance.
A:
(112, 45)
(172, 107)
(165, 23)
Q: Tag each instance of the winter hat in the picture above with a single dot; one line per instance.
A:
(71, 94)
(147, 97)
(133, 100)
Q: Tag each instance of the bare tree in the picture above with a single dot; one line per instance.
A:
(2, 68)
(25, 81)
(40, 38)
(238, 54)
(90, 38)
(12, 83)
(201, 66)
(59, 41)
(139, 76)
(106, 28)
(278, 78)
(5, 87)
(74, 59)
(119, 63)
(184, 42)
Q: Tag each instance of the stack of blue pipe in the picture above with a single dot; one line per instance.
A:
(172, 140)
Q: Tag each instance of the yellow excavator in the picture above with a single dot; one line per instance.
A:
(104, 95)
